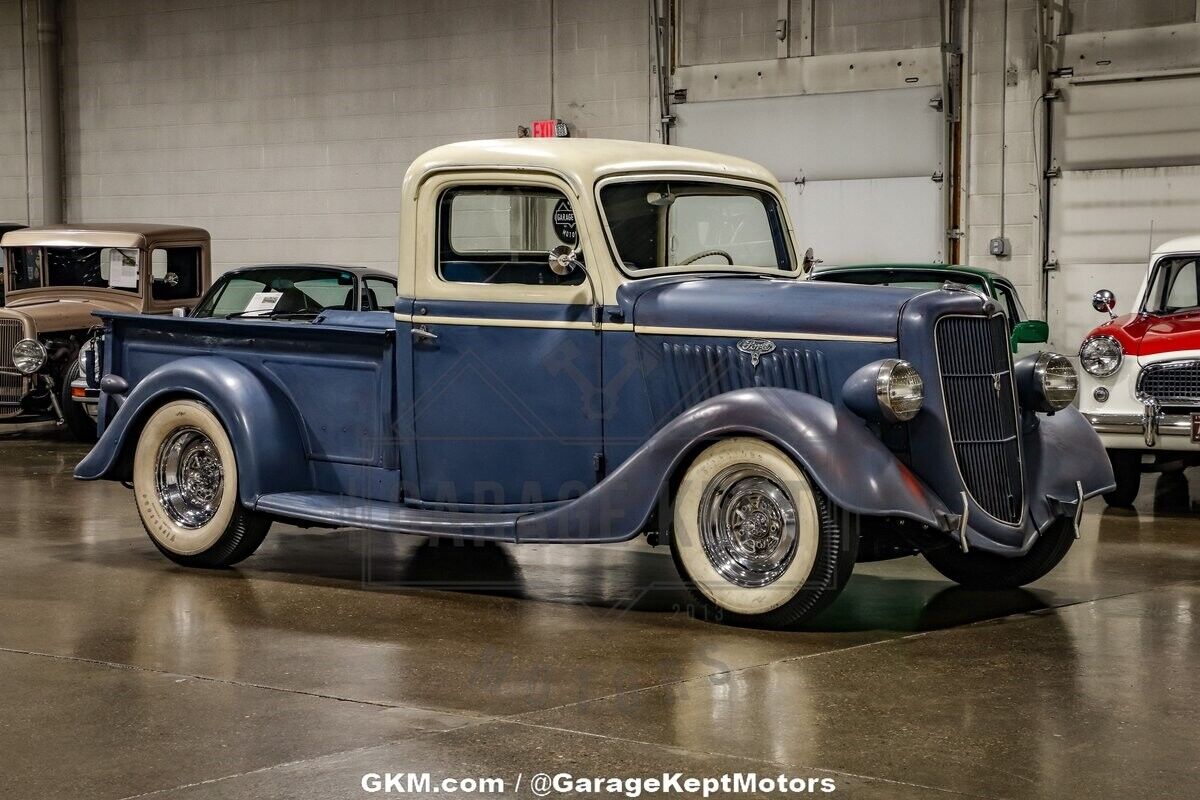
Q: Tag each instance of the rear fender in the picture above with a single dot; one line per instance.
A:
(835, 447)
(260, 421)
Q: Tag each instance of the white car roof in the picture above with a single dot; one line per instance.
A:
(581, 161)
(1184, 244)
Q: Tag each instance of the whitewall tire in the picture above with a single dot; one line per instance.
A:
(755, 541)
(185, 480)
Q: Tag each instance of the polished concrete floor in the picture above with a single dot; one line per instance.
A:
(330, 655)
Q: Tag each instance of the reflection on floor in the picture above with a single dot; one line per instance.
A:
(328, 655)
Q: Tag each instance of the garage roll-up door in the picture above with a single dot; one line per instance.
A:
(1129, 155)
(857, 167)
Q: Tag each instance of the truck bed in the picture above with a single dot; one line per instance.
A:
(347, 435)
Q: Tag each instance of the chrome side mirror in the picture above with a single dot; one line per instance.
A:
(1105, 301)
(810, 262)
(563, 260)
(179, 311)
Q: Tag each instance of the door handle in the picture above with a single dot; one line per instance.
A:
(423, 334)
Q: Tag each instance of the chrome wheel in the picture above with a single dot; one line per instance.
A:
(748, 526)
(189, 477)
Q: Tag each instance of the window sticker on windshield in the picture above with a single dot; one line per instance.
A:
(564, 223)
(262, 302)
(122, 269)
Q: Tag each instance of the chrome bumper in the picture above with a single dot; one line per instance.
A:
(85, 395)
(1151, 423)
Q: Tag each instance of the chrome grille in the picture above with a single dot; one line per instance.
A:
(699, 372)
(12, 383)
(977, 383)
(1171, 382)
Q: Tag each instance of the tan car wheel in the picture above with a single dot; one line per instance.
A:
(185, 481)
(756, 542)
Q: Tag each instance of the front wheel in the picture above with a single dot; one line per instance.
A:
(756, 543)
(185, 480)
(1127, 472)
(988, 571)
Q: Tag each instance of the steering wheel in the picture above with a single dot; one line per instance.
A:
(706, 254)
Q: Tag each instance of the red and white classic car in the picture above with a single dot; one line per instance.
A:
(1140, 385)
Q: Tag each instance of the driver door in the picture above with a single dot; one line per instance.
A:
(505, 359)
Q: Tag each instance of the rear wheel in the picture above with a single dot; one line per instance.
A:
(1127, 471)
(987, 571)
(185, 481)
(79, 422)
(756, 543)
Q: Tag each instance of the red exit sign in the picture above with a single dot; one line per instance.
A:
(549, 128)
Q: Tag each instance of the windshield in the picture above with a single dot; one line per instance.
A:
(694, 225)
(87, 267)
(279, 291)
(1175, 286)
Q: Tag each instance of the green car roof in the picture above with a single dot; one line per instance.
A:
(986, 274)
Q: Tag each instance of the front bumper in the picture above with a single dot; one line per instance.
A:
(1151, 429)
(86, 396)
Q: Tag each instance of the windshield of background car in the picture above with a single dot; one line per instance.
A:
(691, 225)
(267, 292)
(1011, 303)
(1176, 285)
(86, 267)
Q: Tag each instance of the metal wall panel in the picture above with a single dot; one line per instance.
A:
(891, 133)
(866, 159)
(869, 220)
(1153, 121)
(1101, 223)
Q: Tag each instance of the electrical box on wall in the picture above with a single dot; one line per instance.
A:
(998, 247)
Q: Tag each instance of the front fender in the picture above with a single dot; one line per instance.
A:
(1062, 451)
(259, 419)
(837, 450)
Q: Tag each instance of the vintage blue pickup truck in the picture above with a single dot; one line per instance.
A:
(596, 341)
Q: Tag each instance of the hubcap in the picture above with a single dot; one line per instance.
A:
(189, 477)
(748, 526)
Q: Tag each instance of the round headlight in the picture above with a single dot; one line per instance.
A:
(1058, 379)
(899, 390)
(28, 356)
(1101, 356)
(88, 347)
(1046, 382)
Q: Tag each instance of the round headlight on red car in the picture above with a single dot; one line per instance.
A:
(1101, 356)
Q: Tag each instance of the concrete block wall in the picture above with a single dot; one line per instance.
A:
(13, 178)
(721, 31)
(854, 26)
(1003, 179)
(285, 127)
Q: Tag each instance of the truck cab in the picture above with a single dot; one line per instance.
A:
(594, 341)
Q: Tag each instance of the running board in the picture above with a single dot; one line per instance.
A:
(341, 511)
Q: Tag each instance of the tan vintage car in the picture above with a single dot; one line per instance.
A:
(56, 276)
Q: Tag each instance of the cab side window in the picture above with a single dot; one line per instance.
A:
(503, 234)
(26, 268)
(175, 272)
(378, 295)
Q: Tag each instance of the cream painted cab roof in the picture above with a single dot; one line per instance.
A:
(1184, 244)
(102, 234)
(581, 161)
